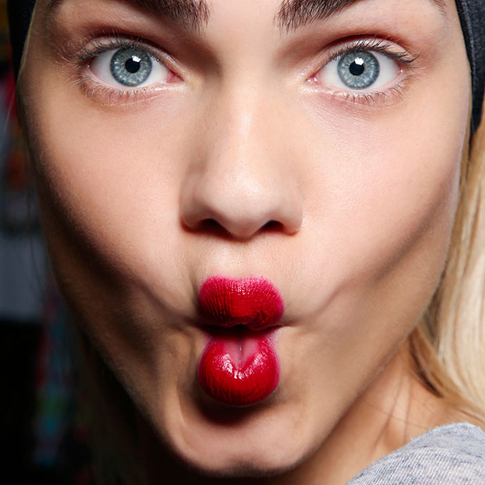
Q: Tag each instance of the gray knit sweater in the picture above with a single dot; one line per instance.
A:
(449, 455)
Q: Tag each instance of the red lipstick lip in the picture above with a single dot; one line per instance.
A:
(239, 366)
(239, 374)
(253, 302)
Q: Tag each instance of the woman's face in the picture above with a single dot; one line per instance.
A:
(314, 144)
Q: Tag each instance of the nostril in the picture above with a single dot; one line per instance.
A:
(262, 210)
(272, 226)
(212, 226)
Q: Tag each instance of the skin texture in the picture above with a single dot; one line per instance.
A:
(245, 164)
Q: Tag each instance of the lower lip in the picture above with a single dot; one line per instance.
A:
(239, 370)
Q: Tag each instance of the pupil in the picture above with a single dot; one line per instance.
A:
(357, 67)
(133, 65)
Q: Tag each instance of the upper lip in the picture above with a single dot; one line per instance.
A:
(253, 302)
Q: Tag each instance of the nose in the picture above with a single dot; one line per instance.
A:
(242, 181)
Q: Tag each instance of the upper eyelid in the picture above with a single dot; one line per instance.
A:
(99, 45)
(382, 46)
(102, 45)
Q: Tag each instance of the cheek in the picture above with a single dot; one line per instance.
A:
(109, 187)
(106, 164)
(384, 186)
(380, 201)
(398, 190)
(112, 179)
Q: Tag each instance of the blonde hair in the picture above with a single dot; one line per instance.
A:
(449, 345)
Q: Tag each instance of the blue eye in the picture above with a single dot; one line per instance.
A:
(359, 71)
(128, 67)
(131, 68)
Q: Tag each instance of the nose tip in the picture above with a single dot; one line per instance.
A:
(243, 180)
(241, 210)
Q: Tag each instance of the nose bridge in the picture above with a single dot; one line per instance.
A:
(243, 154)
(243, 181)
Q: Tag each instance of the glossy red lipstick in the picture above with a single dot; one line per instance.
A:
(254, 302)
(239, 366)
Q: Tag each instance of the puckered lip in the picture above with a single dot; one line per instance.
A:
(253, 302)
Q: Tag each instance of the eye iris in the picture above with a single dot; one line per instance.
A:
(131, 67)
(358, 70)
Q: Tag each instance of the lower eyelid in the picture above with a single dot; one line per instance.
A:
(380, 98)
(111, 96)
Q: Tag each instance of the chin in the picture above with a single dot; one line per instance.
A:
(239, 468)
(248, 462)
(219, 441)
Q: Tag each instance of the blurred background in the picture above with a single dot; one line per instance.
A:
(43, 435)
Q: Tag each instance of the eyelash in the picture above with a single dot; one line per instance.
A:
(404, 58)
(383, 47)
(99, 46)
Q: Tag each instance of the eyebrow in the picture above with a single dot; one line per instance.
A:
(193, 14)
(297, 13)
